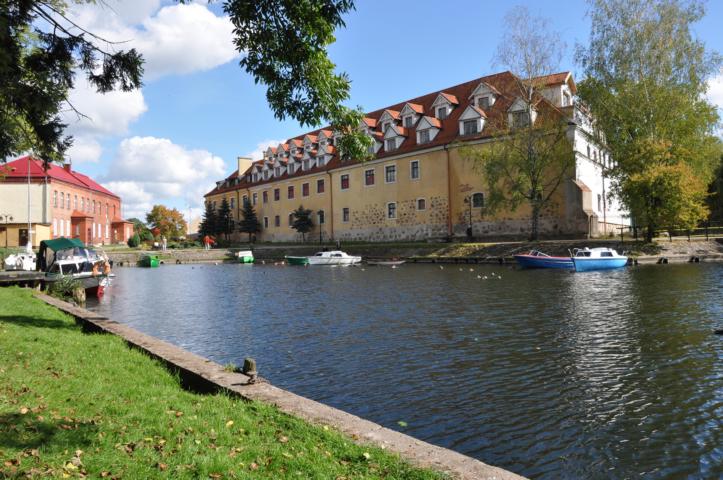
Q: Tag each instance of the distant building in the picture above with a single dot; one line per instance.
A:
(417, 186)
(63, 203)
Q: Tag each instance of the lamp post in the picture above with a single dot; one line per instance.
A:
(468, 201)
(6, 218)
(320, 214)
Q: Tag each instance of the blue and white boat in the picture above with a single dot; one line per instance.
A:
(601, 258)
(537, 259)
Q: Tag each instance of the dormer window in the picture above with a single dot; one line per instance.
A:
(390, 144)
(566, 99)
(305, 165)
(442, 112)
(386, 125)
(520, 119)
(408, 121)
(470, 127)
(423, 136)
(277, 171)
(483, 103)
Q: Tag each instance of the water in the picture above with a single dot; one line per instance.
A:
(549, 374)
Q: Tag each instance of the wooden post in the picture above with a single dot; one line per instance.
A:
(249, 369)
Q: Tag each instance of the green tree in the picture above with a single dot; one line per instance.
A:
(531, 156)
(42, 49)
(134, 240)
(715, 191)
(169, 221)
(209, 222)
(283, 44)
(249, 222)
(645, 86)
(302, 221)
(225, 220)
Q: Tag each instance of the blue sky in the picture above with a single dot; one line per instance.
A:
(198, 110)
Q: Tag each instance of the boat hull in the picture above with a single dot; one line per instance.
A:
(533, 261)
(608, 263)
(149, 262)
(334, 260)
(297, 260)
(245, 256)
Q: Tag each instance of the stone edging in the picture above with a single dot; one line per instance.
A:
(416, 452)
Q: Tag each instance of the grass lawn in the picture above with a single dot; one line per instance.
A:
(77, 405)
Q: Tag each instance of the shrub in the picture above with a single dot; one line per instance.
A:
(147, 236)
(63, 288)
(134, 241)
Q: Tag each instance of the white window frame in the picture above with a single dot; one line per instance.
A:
(395, 211)
(416, 205)
(266, 222)
(341, 181)
(386, 144)
(365, 176)
(419, 136)
(411, 170)
(348, 214)
(308, 189)
(411, 121)
(446, 112)
(394, 165)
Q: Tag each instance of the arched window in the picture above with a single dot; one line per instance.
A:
(478, 200)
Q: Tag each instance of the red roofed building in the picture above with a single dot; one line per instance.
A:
(418, 185)
(61, 202)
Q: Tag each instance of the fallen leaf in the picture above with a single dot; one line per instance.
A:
(105, 474)
(24, 410)
(254, 466)
(162, 466)
(402, 423)
(229, 423)
(283, 439)
(366, 455)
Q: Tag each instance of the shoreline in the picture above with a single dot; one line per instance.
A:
(205, 374)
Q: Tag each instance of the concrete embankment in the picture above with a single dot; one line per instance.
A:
(207, 375)
(678, 251)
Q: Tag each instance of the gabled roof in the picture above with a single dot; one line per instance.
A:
(483, 86)
(557, 79)
(18, 169)
(412, 108)
(475, 111)
(505, 83)
(431, 121)
(396, 131)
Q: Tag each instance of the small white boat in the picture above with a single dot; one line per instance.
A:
(333, 257)
(24, 261)
(386, 263)
(245, 256)
(600, 258)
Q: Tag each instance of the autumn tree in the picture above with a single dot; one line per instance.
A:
(532, 155)
(646, 78)
(168, 221)
(302, 221)
(249, 222)
(715, 190)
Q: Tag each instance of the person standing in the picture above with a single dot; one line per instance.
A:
(164, 243)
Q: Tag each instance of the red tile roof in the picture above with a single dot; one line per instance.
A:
(18, 169)
(505, 83)
(416, 107)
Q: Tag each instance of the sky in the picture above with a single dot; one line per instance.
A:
(171, 140)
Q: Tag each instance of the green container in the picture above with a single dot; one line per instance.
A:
(246, 259)
(149, 261)
(297, 260)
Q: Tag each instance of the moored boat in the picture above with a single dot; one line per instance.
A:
(149, 260)
(69, 257)
(385, 263)
(292, 260)
(333, 257)
(23, 261)
(245, 256)
(601, 258)
(537, 259)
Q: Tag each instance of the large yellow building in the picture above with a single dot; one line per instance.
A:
(418, 186)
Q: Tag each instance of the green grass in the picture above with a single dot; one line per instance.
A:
(75, 404)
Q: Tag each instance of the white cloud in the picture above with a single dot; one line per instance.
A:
(150, 170)
(261, 147)
(715, 95)
(177, 39)
(84, 149)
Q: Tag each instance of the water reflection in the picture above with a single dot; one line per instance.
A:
(546, 373)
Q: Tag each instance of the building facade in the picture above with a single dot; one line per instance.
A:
(63, 203)
(418, 186)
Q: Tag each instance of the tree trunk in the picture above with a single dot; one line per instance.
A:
(649, 233)
(535, 223)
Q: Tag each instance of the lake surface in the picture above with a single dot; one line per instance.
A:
(549, 374)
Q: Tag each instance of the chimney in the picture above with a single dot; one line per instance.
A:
(66, 166)
(244, 163)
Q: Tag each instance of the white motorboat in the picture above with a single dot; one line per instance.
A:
(333, 257)
(24, 261)
(600, 258)
(66, 257)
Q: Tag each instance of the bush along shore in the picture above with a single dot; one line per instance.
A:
(75, 405)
